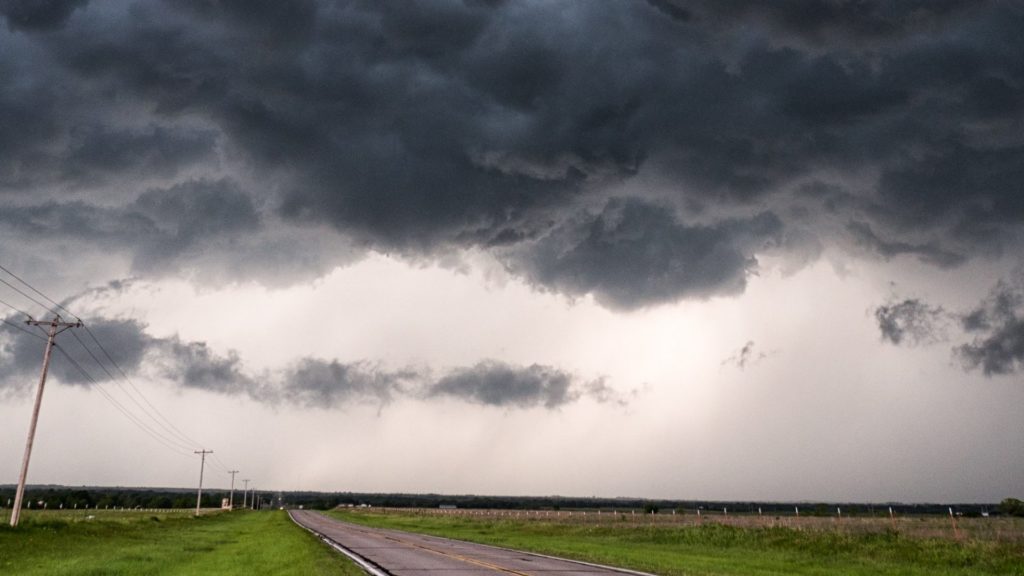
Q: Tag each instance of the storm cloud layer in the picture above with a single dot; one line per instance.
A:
(640, 151)
(634, 253)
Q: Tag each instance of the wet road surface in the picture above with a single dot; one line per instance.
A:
(397, 553)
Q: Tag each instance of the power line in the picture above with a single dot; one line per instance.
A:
(22, 292)
(176, 436)
(29, 317)
(130, 397)
(36, 302)
(33, 288)
(221, 464)
(102, 367)
(23, 329)
(127, 414)
(174, 430)
(218, 460)
(15, 308)
(167, 425)
(114, 402)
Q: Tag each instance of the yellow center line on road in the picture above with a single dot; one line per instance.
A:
(452, 555)
(459, 557)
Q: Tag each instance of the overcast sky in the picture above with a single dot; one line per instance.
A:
(660, 248)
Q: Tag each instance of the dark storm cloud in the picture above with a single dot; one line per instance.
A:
(38, 14)
(100, 154)
(427, 127)
(633, 254)
(675, 9)
(997, 325)
(124, 340)
(22, 356)
(158, 227)
(267, 19)
(910, 321)
(29, 115)
(928, 253)
(498, 384)
(80, 360)
(995, 328)
(80, 221)
(194, 212)
(821, 21)
(309, 382)
(324, 384)
(195, 365)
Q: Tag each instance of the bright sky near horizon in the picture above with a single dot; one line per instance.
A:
(661, 248)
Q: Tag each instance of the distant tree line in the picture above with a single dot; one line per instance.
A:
(1012, 507)
(323, 500)
(54, 498)
(104, 497)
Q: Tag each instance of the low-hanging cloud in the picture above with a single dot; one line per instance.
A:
(22, 353)
(498, 384)
(196, 365)
(319, 383)
(995, 328)
(997, 325)
(911, 322)
(307, 382)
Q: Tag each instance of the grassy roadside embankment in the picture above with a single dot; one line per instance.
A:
(128, 543)
(714, 549)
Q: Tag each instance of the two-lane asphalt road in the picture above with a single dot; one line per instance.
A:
(406, 554)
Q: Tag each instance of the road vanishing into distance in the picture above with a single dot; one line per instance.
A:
(396, 553)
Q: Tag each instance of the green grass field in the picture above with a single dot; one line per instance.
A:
(130, 543)
(715, 549)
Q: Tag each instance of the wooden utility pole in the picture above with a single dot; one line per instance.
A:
(231, 497)
(56, 327)
(202, 464)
